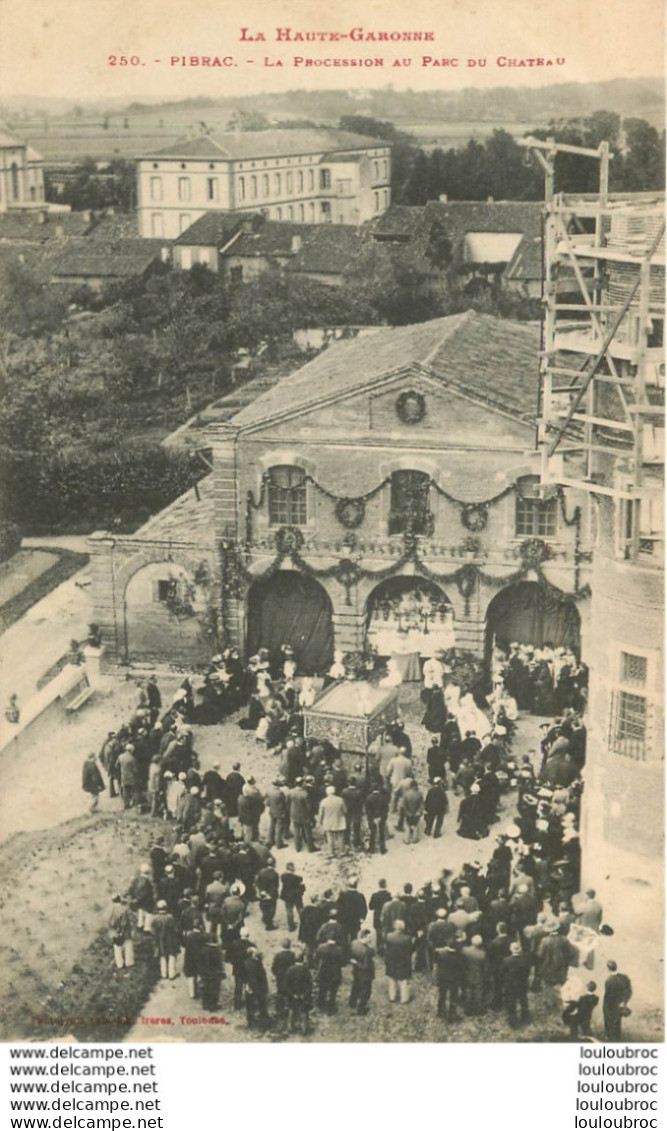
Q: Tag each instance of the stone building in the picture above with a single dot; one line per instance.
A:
(384, 495)
(21, 174)
(307, 176)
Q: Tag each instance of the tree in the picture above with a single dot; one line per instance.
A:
(403, 149)
(643, 163)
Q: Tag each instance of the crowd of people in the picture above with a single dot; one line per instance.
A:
(487, 937)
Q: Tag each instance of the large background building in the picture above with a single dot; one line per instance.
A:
(308, 176)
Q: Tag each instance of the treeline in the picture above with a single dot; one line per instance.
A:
(500, 168)
(92, 187)
(83, 490)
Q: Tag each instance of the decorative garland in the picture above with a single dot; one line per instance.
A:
(348, 572)
(350, 511)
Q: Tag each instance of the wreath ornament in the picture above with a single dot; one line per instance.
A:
(289, 540)
(475, 516)
(350, 513)
(411, 407)
(533, 551)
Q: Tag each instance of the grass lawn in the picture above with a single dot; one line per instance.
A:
(29, 575)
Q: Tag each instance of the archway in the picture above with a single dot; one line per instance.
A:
(291, 608)
(529, 613)
(409, 614)
(164, 614)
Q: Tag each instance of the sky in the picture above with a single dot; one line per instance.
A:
(62, 48)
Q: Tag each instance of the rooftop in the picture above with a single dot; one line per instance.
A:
(492, 360)
(39, 226)
(125, 258)
(240, 145)
(188, 519)
(327, 249)
(215, 229)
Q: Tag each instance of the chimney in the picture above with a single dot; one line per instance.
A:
(443, 198)
(296, 243)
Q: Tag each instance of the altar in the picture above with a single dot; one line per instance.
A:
(410, 619)
(351, 714)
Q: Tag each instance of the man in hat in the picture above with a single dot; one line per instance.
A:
(120, 925)
(377, 811)
(92, 781)
(398, 962)
(435, 808)
(331, 817)
(128, 769)
(354, 804)
(298, 989)
(352, 909)
(165, 939)
(292, 892)
(411, 809)
(300, 810)
(279, 967)
(256, 990)
(142, 894)
(515, 973)
(329, 959)
(617, 994)
(375, 904)
(363, 972)
(234, 783)
(278, 807)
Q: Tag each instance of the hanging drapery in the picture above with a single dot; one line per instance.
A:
(529, 613)
(290, 608)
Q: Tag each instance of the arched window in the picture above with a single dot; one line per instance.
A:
(536, 516)
(287, 496)
(409, 503)
(15, 180)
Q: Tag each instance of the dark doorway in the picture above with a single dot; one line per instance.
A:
(529, 613)
(290, 608)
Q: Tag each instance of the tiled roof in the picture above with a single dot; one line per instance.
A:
(526, 263)
(267, 143)
(121, 259)
(26, 225)
(491, 359)
(275, 237)
(455, 219)
(215, 229)
(327, 249)
(188, 519)
(398, 220)
(461, 216)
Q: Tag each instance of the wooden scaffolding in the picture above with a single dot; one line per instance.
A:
(602, 373)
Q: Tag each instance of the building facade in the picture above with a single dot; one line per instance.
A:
(21, 174)
(383, 497)
(306, 176)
